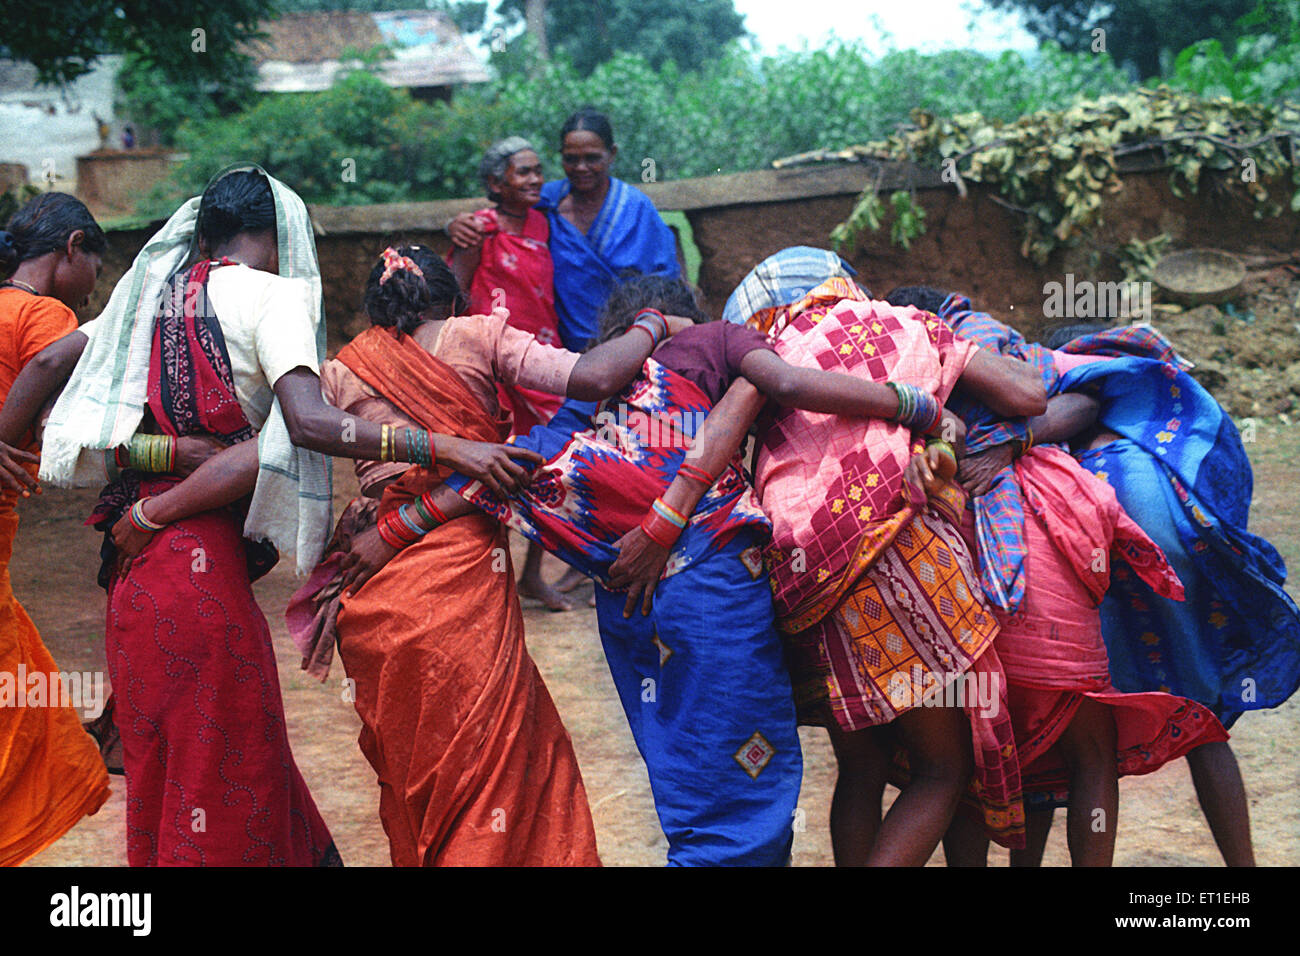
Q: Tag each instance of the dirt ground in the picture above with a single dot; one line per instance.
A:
(1160, 823)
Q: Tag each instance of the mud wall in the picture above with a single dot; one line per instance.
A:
(971, 244)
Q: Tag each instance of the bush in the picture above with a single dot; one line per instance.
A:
(738, 113)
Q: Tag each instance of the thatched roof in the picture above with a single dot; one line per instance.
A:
(302, 51)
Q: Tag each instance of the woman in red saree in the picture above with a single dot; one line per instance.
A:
(511, 268)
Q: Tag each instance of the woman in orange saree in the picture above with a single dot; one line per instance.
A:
(51, 774)
(474, 764)
(475, 767)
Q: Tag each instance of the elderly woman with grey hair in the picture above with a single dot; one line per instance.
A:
(512, 269)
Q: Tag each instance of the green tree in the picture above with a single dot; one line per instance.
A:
(590, 32)
(195, 40)
(1262, 66)
(1139, 33)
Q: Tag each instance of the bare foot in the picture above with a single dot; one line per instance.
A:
(539, 590)
(571, 580)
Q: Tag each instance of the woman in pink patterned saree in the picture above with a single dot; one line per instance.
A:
(888, 638)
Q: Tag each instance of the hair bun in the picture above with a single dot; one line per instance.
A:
(9, 255)
(223, 216)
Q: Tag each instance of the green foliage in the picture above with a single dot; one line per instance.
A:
(590, 32)
(737, 113)
(63, 40)
(154, 99)
(358, 142)
(1138, 257)
(909, 219)
(1264, 64)
(14, 198)
(1140, 33)
(1056, 166)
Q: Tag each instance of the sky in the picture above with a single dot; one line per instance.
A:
(904, 24)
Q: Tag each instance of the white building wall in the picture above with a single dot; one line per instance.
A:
(46, 128)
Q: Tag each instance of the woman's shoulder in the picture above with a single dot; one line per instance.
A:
(20, 310)
(553, 192)
(253, 286)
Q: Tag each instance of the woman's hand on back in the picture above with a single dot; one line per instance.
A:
(678, 323)
(466, 231)
(976, 472)
(640, 564)
(496, 465)
(367, 555)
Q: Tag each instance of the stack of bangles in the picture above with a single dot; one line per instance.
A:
(410, 522)
(917, 409)
(140, 522)
(663, 525)
(151, 453)
(419, 446)
(653, 324)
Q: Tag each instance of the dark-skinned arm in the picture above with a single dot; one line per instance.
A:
(464, 263)
(1007, 386)
(816, 390)
(314, 424)
(42, 378)
(608, 367)
(37, 383)
(222, 479)
(1067, 415)
(641, 560)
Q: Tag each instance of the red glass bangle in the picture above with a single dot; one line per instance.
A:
(687, 470)
(435, 512)
(647, 332)
(660, 530)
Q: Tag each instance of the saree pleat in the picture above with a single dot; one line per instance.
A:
(51, 774)
(475, 767)
(210, 777)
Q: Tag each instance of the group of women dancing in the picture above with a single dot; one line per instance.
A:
(999, 575)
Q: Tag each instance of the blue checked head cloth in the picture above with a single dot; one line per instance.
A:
(782, 278)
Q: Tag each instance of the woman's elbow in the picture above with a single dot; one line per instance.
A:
(786, 389)
(587, 386)
(306, 431)
(1026, 399)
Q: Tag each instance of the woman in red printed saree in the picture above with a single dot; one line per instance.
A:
(878, 597)
(511, 268)
(210, 777)
(474, 764)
